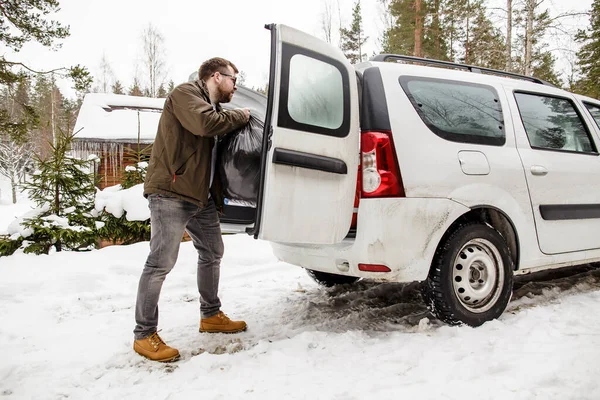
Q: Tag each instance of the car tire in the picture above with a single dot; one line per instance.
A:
(329, 280)
(471, 276)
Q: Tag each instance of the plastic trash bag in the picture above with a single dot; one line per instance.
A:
(238, 161)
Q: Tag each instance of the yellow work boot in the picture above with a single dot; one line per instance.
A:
(153, 348)
(221, 323)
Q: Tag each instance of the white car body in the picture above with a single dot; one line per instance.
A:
(403, 233)
(497, 169)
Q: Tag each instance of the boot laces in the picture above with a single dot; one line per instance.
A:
(223, 317)
(155, 340)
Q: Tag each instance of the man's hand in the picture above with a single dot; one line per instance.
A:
(246, 113)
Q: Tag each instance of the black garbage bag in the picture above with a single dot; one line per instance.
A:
(238, 161)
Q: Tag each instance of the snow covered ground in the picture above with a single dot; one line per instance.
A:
(66, 324)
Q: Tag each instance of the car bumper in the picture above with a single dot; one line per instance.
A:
(400, 233)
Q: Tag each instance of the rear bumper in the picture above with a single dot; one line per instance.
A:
(402, 234)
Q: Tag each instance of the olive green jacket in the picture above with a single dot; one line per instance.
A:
(180, 161)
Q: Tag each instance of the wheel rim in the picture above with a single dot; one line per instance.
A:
(478, 275)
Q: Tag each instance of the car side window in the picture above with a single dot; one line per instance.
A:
(315, 93)
(594, 110)
(553, 123)
(457, 111)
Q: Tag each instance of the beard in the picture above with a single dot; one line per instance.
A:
(224, 96)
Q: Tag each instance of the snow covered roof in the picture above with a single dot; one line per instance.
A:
(115, 117)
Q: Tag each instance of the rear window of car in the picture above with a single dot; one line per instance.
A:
(457, 111)
(315, 93)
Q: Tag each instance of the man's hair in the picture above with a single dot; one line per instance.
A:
(209, 67)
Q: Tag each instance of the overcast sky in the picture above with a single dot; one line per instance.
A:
(195, 31)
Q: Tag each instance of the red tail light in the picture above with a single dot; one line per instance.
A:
(379, 166)
(378, 172)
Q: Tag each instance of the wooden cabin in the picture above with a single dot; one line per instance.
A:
(110, 126)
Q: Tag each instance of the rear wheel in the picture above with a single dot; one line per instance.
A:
(330, 280)
(471, 276)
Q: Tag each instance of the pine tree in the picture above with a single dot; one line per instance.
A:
(353, 39)
(400, 38)
(171, 86)
(117, 87)
(21, 22)
(162, 92)
(135, 89)
(484, 44)
(419, 28)
(17, 112)
(589, 55)
(63, 189)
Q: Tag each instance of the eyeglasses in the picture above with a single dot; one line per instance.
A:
(233, 78)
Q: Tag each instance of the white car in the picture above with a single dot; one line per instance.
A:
(456, 176)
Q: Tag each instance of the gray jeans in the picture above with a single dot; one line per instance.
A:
(170, 217)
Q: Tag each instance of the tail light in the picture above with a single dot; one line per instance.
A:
(379, 166)
(379, 172)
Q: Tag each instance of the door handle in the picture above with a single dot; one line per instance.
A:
(538, 170)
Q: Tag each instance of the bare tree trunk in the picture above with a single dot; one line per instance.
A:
(52, 125)
(13, 186)
(418, 29)
(436, 25)
(508, 55)
(339, 10)
(154, 58)
(326, 20)
(467, 32)
(529, 37)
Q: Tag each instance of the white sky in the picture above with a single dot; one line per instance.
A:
(195, 31)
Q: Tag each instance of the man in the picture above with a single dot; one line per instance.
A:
(183, 191)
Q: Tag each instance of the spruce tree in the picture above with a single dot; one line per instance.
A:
(353, 39)
(589, 55)
(484, 44)
(117, 88)
(63, 189)
(162, 92)
(135, 89)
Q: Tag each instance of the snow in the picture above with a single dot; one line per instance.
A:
(67, 321)
(9, 212)
(117, 201)
(115, 117)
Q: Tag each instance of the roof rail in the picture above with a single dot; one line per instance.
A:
(470, 68)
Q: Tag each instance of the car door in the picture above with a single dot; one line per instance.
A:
(562, 168)
(311, 137)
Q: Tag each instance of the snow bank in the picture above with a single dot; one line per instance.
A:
(117, 201)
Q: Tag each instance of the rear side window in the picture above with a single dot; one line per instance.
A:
(457, 111)
(553, 123)
(594, 111)
(315, 93)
